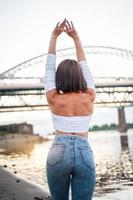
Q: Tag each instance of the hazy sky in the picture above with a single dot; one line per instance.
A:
(26, 25)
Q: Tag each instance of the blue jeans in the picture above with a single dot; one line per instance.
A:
(70, 162)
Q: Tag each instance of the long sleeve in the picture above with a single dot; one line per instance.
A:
(87, 74)
(50, 69)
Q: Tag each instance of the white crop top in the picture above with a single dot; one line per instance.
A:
(67, 123)
(71, 123)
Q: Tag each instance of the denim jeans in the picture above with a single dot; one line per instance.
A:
(70, 162)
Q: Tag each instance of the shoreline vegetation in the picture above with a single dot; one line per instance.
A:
(108, 127)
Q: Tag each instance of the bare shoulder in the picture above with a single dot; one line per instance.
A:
(53, 97)
(92, 93)
(50, 96)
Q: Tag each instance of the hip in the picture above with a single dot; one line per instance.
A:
(81, 152)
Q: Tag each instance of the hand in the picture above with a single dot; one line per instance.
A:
(70, 30)
(58, 29)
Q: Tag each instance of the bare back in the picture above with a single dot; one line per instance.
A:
(71, 104)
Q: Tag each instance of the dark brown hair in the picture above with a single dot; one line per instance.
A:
(69, 77)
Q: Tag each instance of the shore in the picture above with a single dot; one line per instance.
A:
(20, 136)
(13, 187)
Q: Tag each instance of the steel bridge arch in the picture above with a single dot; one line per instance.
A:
(104, 50)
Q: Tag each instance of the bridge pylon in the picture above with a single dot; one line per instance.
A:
(122, 126)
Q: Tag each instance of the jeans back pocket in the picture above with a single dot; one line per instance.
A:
(87, 156)
(55, 154)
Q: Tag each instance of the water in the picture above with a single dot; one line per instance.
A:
(42, 121)
(114, 164)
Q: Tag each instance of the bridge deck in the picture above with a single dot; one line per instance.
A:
(36, 86)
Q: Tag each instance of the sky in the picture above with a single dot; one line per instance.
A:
(26, 26)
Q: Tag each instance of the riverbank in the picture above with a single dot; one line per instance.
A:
(23, 137)
(24, 143)
(14, 187)
(125, 194)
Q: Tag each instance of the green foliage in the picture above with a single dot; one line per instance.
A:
(108, 127)
(2, 133)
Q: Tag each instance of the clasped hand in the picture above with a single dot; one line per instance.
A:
(66, 27)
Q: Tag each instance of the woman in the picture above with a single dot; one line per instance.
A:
(70, 92)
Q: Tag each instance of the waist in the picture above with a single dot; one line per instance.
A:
(84, 134)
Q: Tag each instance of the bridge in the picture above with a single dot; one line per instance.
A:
(21, 87)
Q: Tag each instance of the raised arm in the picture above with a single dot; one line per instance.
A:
(50, 67)
(71, 31)
(55, 33)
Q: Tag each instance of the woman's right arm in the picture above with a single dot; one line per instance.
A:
(70, 30)
(79, 49)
